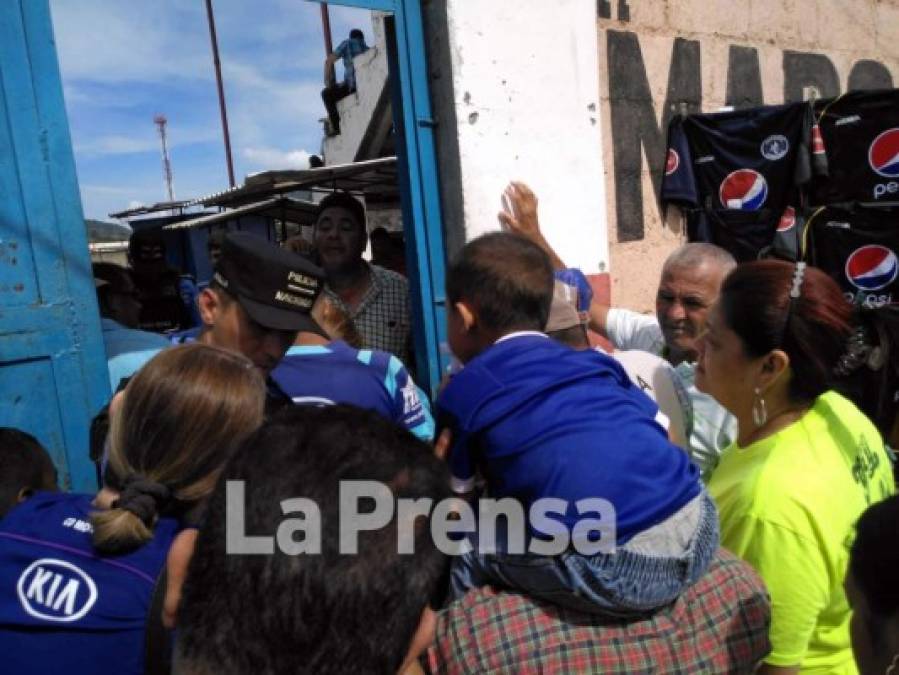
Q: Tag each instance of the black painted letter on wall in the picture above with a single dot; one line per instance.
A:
(635, 126)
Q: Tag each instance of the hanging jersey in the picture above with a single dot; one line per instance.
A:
(679, 181)
(745, 168)
(858, 247)
(369, 379)
(860, 135)
(63, 607)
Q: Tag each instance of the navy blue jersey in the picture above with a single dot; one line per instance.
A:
(860, 133)
(858, 247)
(63, 607)
(365, 378)
(540, 420)
(737, 175)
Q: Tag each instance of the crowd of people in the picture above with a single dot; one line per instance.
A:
(716, 495)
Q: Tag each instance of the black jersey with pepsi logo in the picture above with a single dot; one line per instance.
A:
(860, 134)
(857, 247)
(737, 174)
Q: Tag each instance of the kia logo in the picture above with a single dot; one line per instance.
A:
(56, 590)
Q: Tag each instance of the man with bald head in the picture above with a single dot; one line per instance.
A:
(689, 285)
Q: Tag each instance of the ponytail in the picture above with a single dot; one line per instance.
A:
(129, 523)
(179, 420)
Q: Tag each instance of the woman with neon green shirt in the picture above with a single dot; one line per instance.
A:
(806, 462)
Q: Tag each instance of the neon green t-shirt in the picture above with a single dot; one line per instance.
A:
(788, 506)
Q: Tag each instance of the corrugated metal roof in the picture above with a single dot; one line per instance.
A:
(283, 208)
(375, 176)
(155, 208)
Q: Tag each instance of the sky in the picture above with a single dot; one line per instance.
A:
(122, 63)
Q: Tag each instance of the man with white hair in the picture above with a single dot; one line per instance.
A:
(690, 282)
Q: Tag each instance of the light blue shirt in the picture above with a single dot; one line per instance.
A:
(348, 50)
(128, 349)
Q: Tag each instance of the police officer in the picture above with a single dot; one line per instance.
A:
(259, 298)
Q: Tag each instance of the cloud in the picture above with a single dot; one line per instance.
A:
(271, 158)
(146, 141)
(106, 41)
(116, 145)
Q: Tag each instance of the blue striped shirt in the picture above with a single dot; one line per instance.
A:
(370, 379)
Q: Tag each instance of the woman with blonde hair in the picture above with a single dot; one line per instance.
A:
(79, 571)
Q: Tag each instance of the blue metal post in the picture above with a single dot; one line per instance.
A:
(420, 183)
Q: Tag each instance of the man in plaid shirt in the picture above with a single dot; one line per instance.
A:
(376, 299)
(719, 625)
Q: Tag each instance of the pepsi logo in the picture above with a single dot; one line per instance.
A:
(775, 147)
(883, 155)
(744, 190)
(672, 163)
(872, 267)
(787, 220)
(56, 590)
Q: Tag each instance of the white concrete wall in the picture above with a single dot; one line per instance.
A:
(525, 106)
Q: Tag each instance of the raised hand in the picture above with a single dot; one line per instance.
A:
(519, 214)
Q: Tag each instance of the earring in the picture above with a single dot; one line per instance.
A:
(759, 409)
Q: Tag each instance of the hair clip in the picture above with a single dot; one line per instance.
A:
(858, 351)
(798, 277)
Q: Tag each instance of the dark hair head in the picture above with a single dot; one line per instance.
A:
(114, 275)
(314, 612)
(24, 465)
(812, 329)
(875, 557)
(357, 34)
(379, 233)
(868, 371)
(146, 245)
(110, 279)
(342, 200)
(507, 279)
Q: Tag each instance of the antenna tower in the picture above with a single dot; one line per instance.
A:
(161, 121)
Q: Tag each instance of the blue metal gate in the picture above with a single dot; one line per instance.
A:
(52, 362)
(419, 186)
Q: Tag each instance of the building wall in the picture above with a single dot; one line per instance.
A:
(512, 85)
(658, 58)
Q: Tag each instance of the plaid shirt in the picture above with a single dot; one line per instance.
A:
(720, 625)
(382, 317)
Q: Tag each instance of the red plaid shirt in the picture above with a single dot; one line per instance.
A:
(720, 625)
